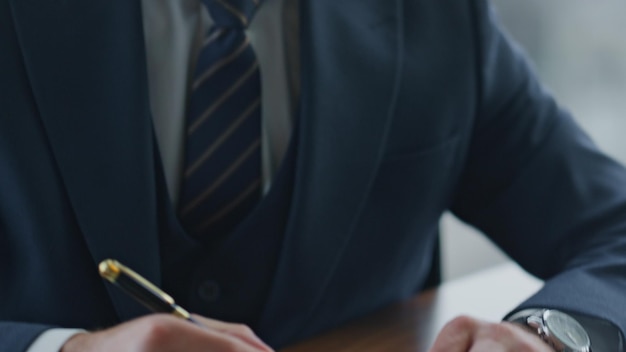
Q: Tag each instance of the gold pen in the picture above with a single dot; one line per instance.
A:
(141, 289)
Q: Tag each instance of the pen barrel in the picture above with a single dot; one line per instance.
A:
(145, 295)
(141, 289)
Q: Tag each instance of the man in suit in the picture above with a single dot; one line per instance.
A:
(377, 116)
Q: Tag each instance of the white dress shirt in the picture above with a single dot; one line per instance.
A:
(173, 31)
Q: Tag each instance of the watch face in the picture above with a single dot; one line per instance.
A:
(567, 330)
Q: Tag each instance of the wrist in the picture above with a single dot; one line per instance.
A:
(558, 329)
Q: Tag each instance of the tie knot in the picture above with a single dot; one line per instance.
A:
(231, 13)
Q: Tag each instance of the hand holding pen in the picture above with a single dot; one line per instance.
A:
(175, 331)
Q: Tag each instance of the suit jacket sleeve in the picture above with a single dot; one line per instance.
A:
(541, 189)
(16, 336)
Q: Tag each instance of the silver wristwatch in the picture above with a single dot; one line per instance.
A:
(556, 328)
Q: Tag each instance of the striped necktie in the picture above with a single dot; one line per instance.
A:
(222, 172)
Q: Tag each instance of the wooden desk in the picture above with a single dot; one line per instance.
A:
(414, 324)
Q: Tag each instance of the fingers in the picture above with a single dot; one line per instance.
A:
(466, 334)
(456, 336)
(240, 331)
(166, 333)
(213, 340)
(216, 336)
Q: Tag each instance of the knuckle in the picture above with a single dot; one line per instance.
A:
(525, 346)
(242, 329)
(233, 346)
(510, 335)
(499, 331)
(461, 323)
(157, 332)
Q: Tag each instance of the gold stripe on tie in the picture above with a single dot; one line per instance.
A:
(242, 18)
(222, 138)
(223, 177)
(232, 205)
(222, 99)
(220, 64)
(210, 39)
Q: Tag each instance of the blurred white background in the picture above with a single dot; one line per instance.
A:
(578, 48)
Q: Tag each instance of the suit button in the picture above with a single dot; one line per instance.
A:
(209, 291)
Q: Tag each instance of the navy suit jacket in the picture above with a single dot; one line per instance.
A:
(408, 108)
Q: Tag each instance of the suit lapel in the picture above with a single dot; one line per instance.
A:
(86, 65)
(350, 73)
